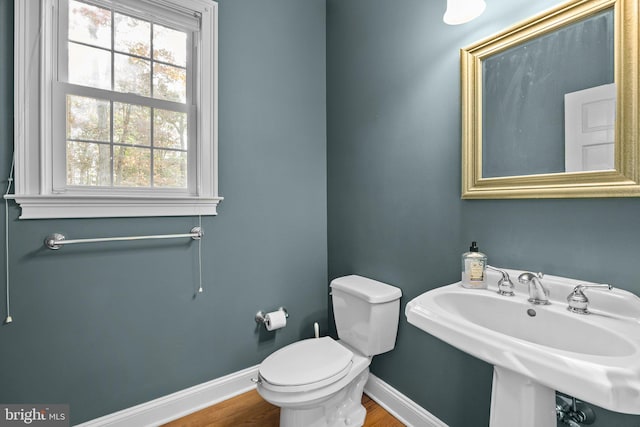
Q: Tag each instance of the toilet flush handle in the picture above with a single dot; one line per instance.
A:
(256, 380)
(316, 330)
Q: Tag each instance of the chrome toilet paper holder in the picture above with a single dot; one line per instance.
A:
(261, 315)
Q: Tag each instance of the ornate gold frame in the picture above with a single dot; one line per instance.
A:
(624, 181)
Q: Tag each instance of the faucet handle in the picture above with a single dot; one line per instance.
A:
(578, 301)
(505, 285)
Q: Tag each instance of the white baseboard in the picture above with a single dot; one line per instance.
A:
(181, 403)
(192, 399)
(400, 406)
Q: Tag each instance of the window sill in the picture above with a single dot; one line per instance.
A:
(42, 207)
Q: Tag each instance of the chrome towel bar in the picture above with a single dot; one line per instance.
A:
(56, 241)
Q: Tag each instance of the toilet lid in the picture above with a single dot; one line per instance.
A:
(306, 362)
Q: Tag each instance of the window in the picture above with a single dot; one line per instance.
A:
(126, 108)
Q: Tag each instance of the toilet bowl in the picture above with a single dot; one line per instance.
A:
(318, 382)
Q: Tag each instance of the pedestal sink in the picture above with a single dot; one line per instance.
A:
(537, 349)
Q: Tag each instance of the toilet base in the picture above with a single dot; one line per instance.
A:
(343, 409)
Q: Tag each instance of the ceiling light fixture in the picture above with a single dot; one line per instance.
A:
(461, 11)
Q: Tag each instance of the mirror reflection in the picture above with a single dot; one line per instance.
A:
(548, 104)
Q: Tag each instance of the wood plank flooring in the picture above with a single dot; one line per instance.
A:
(250, 410)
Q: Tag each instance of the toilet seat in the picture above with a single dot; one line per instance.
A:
(306, 365)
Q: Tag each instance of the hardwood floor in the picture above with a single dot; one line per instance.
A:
(249, 409)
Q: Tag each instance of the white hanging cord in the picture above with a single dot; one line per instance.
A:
(200, 290)
(33, 55)
(8, 319)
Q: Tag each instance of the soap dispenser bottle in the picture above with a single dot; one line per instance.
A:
(474, 268)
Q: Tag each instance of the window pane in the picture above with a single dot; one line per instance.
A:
(89, 24)
(88, 119)
(170, 129)
(89, 66)
(169, 45)
(169, 83)
(131, 167)
(169, 168)
(132, 35)
(132, 75)
(121, 59)
(131, 124)
(88, 164)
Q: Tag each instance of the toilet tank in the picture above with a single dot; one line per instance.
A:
(366, 313)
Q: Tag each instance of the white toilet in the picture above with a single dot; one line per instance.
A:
(318, 382)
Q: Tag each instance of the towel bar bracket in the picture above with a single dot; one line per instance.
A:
(53, 241)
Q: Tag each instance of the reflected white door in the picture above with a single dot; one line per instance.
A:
(589, 122)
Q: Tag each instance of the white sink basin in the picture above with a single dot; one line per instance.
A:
(548, 327)
(594, 357)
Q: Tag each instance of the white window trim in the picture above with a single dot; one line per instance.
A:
(33, 70)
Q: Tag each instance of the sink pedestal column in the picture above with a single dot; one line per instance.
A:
(517, 400)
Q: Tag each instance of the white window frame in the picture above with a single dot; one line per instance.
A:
(35, 74)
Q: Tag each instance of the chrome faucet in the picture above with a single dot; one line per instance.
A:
(578, 301)
(538, 294)
(505, 285)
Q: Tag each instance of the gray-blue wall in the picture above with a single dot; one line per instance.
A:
(395, 213)
(108, 326)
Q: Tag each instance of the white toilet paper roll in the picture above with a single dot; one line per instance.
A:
(275, 320)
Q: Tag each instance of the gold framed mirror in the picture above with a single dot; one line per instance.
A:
(520, 122)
